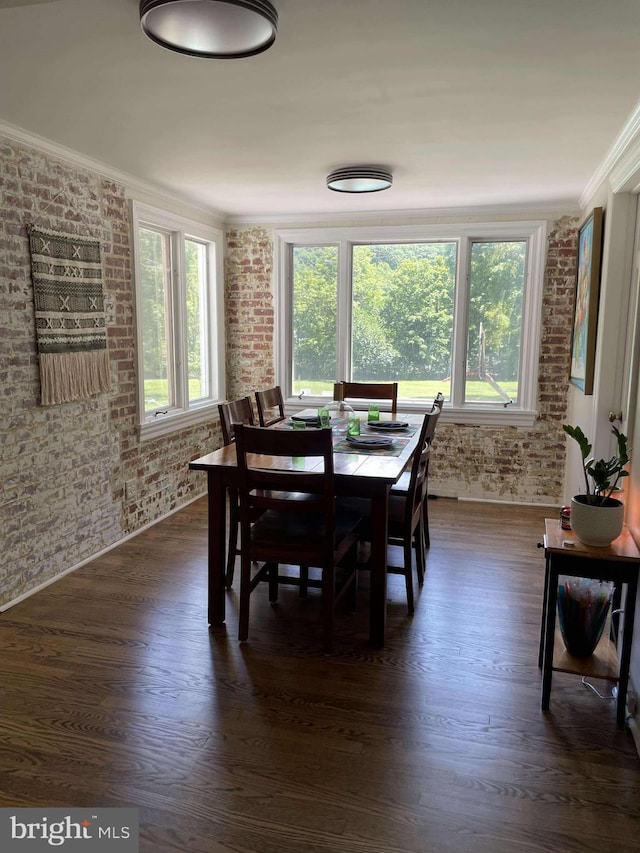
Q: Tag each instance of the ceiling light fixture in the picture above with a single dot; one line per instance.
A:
(359, 179)
(214, 29)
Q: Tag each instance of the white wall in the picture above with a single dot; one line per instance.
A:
(616, 370)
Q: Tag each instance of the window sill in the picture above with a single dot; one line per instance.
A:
(156, 427)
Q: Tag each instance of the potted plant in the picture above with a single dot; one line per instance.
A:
(597, 517)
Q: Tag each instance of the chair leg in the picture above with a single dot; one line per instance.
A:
(245, 595)
(273, 582)
(418, 541)
(233, 538)
(408, 572)
(304, 581)
(425, 522)
(328, 606)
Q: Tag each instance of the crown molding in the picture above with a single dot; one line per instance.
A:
(130, 182)
(537, 210)
(625, 177)
(625, 147)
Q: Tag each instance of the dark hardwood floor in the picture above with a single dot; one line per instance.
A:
(114, 693)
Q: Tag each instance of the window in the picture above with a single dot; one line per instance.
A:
(454, 309)
(179, 320)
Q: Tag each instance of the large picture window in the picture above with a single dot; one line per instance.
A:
(451, 310)
(178, 312)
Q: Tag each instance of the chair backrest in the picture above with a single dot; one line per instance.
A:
(234, 412)
(432, 421)
(367, 391)
(268, 480)
(420, 467)
(267, 401)
(438, 401)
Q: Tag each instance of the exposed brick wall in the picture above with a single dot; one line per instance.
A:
(557, 320)
(63, 468)
(249, 311)
(492, 463)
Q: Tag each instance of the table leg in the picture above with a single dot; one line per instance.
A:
(378, 565)
(625, 659)
(217, 497)
(549, 638)
(616, 600)
(545, 593)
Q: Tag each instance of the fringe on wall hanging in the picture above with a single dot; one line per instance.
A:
(70, 320)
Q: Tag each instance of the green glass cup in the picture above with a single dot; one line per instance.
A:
(298, 424)
(374, 412)
(323, 418)
(353, 425)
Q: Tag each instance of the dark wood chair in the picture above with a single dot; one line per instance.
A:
(401, 488)
(270, 406)
(299, 524)
(351, 391)
(438, 401)
(405, 517)
(232, 413)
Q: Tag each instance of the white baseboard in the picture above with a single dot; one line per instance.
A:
(507, 503)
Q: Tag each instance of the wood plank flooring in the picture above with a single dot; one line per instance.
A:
(113, 692)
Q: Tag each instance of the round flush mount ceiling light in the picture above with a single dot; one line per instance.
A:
(214, 29)
(359, 179)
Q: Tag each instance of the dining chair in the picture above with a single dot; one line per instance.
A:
(270, 406)
(401, 488)
(405, 514)
(343, 391)
(300, 521)
(406, 511)
(231, 413)
(234, 412)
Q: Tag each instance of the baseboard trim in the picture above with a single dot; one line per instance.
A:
(93, 557)
(507, 503)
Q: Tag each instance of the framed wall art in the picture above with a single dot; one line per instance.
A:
(585, 318)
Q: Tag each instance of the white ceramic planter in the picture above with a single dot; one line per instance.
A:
(596, 525)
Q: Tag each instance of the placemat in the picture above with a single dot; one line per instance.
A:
(400, 441)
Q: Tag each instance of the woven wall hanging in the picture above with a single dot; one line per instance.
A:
(70, 319)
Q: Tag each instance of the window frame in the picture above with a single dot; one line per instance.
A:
(182, 413)
(533, 232)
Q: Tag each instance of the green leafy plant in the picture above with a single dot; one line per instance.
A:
(601, 476)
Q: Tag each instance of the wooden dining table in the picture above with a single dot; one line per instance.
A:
(361, 473)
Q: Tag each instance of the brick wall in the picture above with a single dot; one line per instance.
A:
(63, 468)
(249, 311)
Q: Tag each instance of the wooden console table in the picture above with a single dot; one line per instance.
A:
(618, 562)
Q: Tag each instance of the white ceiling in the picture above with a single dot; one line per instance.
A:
(470, 103)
